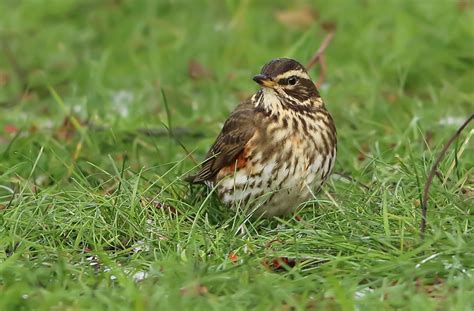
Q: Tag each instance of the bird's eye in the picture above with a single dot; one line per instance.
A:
(292, 80)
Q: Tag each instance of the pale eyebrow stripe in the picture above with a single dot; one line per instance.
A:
(298, 73)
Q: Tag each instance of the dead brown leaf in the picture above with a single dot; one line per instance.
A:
(33, 129)
(66, 131)
(296, 18)
(279, 263)
(390, 97)
(328, 26)
(433, 290)
(29, 96)
(197, 71)
(10, 129)
(468, 192)
(233, 257)
(194, 290)
(4, 78)
(362, 152)
(463, 5)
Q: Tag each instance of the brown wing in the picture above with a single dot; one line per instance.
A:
(237, 131)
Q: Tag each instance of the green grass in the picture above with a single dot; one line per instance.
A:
(94, 213)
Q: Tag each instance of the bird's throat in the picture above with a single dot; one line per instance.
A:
(271, 102)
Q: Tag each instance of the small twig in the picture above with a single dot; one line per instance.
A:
(434, 168)
(322, 74)
(318, 57)
(321, 50)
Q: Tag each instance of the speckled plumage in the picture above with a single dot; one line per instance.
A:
(276, 148)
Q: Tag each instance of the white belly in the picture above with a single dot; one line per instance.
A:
(278, 189)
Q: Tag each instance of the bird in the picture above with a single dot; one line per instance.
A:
(276, 149)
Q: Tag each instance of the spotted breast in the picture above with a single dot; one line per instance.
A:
(277, 148)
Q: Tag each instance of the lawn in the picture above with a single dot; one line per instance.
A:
(102, 103)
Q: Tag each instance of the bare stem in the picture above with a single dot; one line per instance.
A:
(318, 57)
(434, 168)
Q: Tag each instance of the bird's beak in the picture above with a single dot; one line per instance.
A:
(265, 81)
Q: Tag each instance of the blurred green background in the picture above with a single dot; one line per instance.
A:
(390, 62)
(100, 102)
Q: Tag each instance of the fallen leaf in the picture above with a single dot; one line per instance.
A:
(196, 290)
(33, 129)
(10, 129)
(66, 131)
(432, 289)
(468, 192)
(233, 257)
(279, 263)
(4, 78)
(463, 5)
(328, 26)
(390, 97)
(196, 70)
(29, 96)
(362, 152)
(296, 18)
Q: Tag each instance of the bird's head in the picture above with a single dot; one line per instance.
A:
(287, 77)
